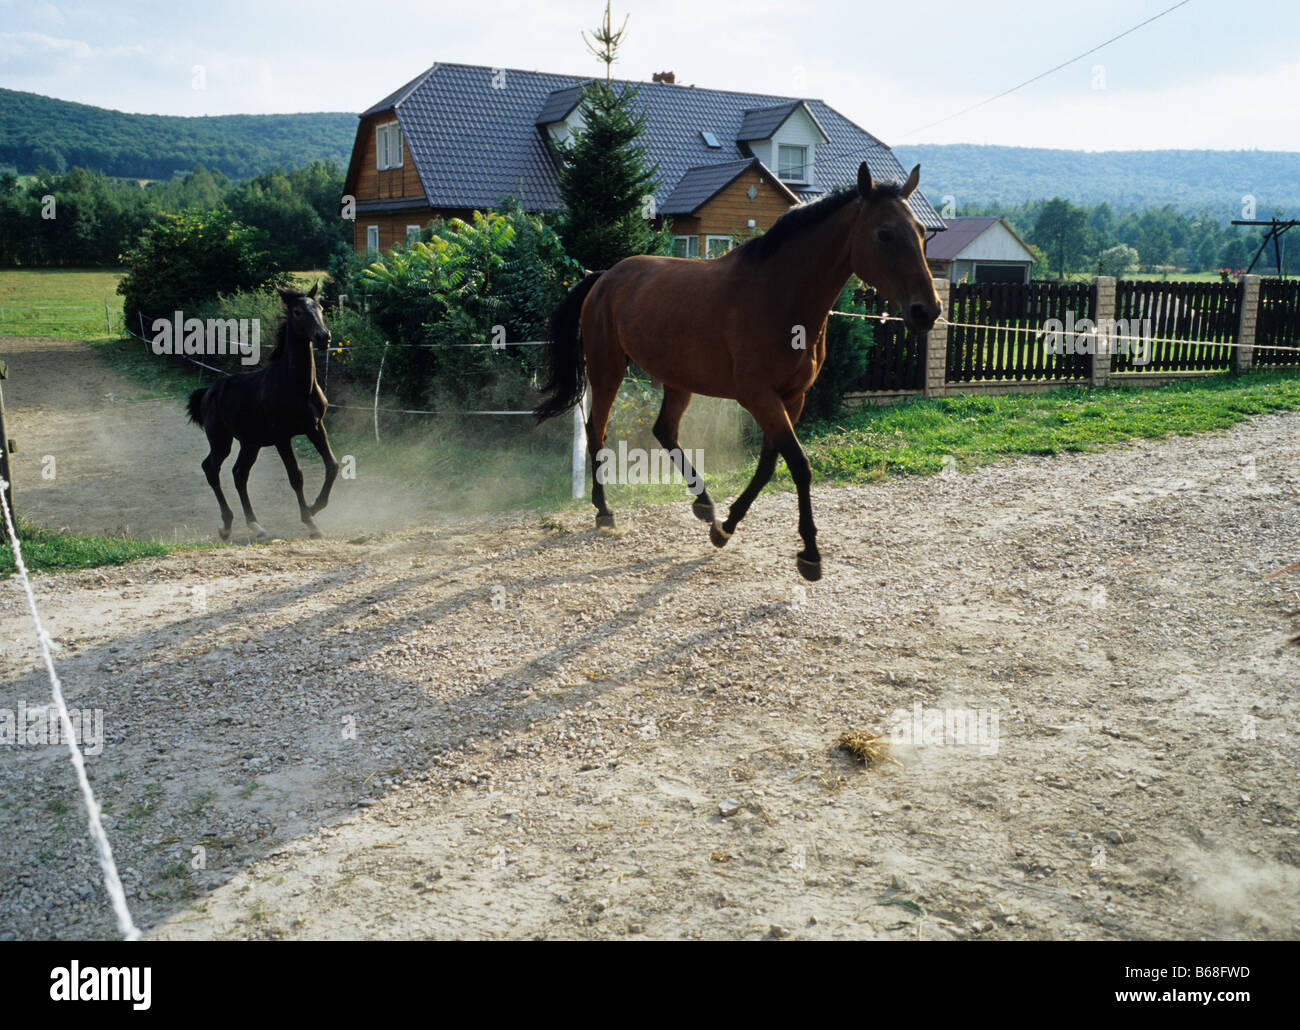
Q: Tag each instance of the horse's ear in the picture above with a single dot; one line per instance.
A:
(864, 180)
(285, 295)
(314, 290)
(909, 187)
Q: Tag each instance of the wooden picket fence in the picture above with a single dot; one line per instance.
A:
(1001, 331)
(998, 333)
(1278, 322)
(1208, 312)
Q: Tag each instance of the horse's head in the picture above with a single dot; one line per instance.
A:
(888, 249)
(305, 315)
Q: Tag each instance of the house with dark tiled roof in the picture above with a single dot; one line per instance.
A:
(459, 138)
(980, 250)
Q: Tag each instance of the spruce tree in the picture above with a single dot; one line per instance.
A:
(605, 179)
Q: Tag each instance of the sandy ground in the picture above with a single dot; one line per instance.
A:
(520, 727)
(97, 456)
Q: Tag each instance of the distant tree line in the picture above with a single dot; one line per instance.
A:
(43, 134)
(1097, 240)
(87, 219)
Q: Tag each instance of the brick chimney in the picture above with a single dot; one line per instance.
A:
(667, 77)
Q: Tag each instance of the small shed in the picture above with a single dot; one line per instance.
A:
(979, 250)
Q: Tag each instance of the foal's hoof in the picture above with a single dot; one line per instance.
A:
(809, 570)
(260, 534)
(604, 521)
(718, 535)
(224, 533)
(703, 510)
(314, 532)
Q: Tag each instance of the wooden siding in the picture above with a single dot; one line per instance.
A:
(373, 184)
(729, 211)
(392, 226)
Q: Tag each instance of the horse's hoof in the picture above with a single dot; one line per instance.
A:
(703, 510)
(718, 535)
(604, 521)
(260, 534)
(809, 570)
(314, 533)
(224, 533)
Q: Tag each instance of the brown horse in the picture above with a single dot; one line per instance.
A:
(750, 326)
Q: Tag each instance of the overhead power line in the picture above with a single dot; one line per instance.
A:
(1041, 75)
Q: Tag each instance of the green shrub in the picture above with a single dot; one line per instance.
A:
(848, 343)
(185, 260)
(263, 305)
(498, 277)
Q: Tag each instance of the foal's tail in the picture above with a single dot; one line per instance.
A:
(568, 367)
(195, 405)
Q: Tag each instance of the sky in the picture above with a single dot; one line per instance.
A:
(1207, 75)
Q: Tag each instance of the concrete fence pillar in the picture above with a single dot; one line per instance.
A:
(1103, 292)
(936, 345)
(1245, 354)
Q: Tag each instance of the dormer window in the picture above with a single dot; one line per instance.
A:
(388, 146)
(785, 138)
(792, 163)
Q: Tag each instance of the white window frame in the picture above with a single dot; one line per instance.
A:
(783, 170)
(372, 239)
(412, 233)
(388, 138)
(710, 240)
(691, 246)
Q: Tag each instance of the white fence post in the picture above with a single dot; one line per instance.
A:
(580, 446)
(378, 379)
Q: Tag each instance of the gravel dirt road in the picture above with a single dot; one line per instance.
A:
(520, 727)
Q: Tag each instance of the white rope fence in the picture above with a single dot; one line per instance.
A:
(112, 882)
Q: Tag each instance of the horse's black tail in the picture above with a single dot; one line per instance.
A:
(568, 366)
(195, 405)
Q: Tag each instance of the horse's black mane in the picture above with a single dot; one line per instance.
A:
(282, 327)
(797, 219)
(281, 340)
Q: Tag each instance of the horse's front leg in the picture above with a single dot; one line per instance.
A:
(809, 560)
(321, 441)
(285, 447)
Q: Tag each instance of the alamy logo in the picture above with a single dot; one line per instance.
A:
(214, 337)
(95, 983)
(945, 727)
(1109, 336)
(39, 726)
(639, 467)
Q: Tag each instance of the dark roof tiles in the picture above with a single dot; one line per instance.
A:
(475, 138)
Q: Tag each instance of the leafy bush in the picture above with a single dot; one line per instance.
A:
(187, 259)
(848, 342)
(497, 278)
(263, 305)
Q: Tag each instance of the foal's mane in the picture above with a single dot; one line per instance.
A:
(282, 328)
(805, 216)
(281, 340)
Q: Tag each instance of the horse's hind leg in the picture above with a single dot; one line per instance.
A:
(665, 430)
(604, 388)
(285, 447)
(243, 465)
(218, 450)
